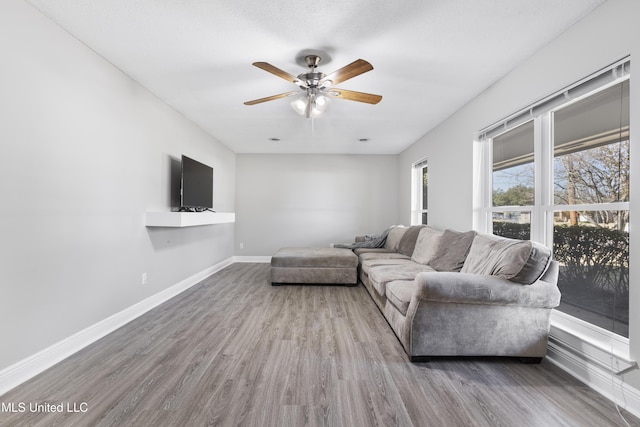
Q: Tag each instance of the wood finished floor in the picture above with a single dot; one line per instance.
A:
(234, 350)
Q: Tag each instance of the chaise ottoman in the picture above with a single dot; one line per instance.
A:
(314, 266)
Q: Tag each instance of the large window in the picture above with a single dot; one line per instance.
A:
(558, 173)
(591, 212)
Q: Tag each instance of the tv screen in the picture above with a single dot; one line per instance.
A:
(196, 186)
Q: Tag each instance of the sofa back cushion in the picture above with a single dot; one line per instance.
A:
(408, 240)
(427, 245)
(394, 236)
(521, 261)
(452, 250)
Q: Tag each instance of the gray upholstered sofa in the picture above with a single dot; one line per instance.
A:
(449, 293)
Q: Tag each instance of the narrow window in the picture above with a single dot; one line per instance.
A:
(420, 199)
(513, 182)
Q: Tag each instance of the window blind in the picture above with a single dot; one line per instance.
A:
(608, 75)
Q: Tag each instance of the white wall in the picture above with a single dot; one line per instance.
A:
(311, 200)
(608, 34)
(85, 152)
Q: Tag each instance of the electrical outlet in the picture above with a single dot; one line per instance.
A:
(331, 245)
(241, 245)
(144, 278)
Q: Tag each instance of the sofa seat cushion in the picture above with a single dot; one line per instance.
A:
(314, 257)
(399, 293)
(380, 275)
(368, 264)
(520, 261)
(361, 251)
(381, 255)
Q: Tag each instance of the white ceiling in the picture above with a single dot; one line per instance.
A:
(430, 57)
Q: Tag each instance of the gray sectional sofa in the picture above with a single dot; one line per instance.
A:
(449, 293)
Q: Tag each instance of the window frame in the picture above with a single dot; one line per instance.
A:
(488, 209)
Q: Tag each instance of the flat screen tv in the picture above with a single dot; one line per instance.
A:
(196, 189)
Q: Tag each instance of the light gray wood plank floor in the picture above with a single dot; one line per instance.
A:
(233, 350)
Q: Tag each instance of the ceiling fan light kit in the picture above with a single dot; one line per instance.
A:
(311, 106)
(317, 88)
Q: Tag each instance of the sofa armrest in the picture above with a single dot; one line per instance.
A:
(487, 290)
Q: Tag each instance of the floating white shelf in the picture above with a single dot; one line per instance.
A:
(187, 219)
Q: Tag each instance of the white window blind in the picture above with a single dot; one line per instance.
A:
(606, 76)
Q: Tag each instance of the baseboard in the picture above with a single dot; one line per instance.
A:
(26, 369)
(593, 375)
(262, 259)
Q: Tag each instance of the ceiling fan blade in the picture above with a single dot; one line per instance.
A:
(278, 72)
(271, 98)
(351, 95)
(357, 67)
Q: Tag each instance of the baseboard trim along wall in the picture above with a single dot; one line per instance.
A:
(26, 369)
(262, 259)
(594, 375)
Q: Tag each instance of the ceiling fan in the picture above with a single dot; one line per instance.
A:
(318, 88)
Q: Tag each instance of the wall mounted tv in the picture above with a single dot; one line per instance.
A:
(196, 186)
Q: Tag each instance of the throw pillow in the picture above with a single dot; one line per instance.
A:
(394, 236)
(427, 245)
(452, 251)
(521, 261)
(408, 240)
